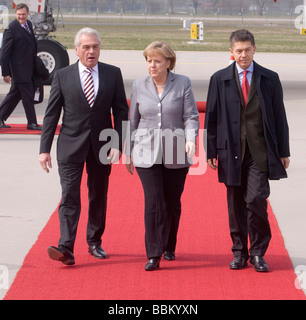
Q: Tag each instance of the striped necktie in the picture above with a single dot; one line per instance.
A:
(27, 28)
(245, 87)
(89, 88)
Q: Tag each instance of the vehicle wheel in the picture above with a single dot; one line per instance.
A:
(54, 56)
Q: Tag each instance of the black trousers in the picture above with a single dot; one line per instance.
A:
(163, 189)
(247, 209)
(19, 91)
(70, 207)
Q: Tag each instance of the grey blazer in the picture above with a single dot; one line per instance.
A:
(160, 126)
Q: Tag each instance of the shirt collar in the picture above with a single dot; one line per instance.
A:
(82, 68)
(250, 68)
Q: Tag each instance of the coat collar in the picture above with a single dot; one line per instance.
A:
(78, 85)
(252, 88)
(169, 85)
(102, 81)
(18, 26)
(259, 71)
(229, 72)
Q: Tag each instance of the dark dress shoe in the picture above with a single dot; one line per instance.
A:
(238, 263)
(3, 125)
(34, 126)
(259, 264)
(97, 252)
(152, 264)
(61, 254)
(169, 255)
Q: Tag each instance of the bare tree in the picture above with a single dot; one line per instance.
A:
(195, 4)
(261, 5)
(171, 5)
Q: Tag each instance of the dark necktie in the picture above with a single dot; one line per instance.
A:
(89, 88)
(245, 87)
(27, 28)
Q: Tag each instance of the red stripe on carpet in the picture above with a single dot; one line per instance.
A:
(203, 254)
(22, 129)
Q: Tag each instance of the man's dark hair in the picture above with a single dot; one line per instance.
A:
(242, 35)
(22, 6)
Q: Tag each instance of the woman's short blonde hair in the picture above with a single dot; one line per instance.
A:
(159, 47)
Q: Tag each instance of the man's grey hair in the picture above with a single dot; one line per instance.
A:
(87, 31)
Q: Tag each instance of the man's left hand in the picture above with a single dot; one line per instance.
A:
(7, 79)
(285, 162)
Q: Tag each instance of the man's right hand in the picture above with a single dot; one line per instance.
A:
(45, 161)
(7, 79)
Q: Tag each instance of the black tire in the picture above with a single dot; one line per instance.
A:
(54, 56)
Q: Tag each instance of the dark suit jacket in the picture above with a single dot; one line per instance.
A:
(18, 52)
(223, 123)
(82, 125)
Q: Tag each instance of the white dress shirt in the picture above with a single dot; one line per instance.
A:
(94, 73)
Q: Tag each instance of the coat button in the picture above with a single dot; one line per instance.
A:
(159, 114)
(236, 157)
(159, 105)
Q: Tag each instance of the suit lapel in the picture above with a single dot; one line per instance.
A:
(258, 73)
(169, 85)
(151, 87)
(102, 79)
(32, 31)
(239, 87)
(29, 37)
(231, 82)
(76, 83)
(252, 89)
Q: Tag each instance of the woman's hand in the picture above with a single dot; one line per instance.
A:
(129, 165)
(191, 149)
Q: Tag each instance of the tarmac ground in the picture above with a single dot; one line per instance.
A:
(28, 196)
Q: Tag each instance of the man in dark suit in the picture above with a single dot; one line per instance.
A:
(89, 93)
(248, 141)
(17, 61)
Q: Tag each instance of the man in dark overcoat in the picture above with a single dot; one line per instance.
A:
(247, 140)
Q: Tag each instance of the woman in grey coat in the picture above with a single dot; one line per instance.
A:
(164, 124)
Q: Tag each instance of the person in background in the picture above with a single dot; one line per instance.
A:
(247, 140)
(18, 54)
(164, 124)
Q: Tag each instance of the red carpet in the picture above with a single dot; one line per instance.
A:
(200, 271)
(22, 129)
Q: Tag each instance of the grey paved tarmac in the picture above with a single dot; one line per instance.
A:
(28, 196)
